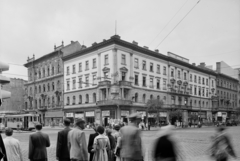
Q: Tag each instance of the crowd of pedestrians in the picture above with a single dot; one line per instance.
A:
(105, 144)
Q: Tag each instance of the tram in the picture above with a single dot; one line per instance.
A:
(20, 121)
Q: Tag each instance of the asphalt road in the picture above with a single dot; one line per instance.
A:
(192, 143)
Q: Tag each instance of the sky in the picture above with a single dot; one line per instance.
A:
(208, 31)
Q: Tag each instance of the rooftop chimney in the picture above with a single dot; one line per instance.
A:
(135, 43)
(194, 64)
(145, 47)
(94, 44)
(115, 36)
(72, 42)
(156, 50)
(84, 47)
(202, 64)
(104, 40)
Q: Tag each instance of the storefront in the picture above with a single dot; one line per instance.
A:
(124, 116)
(221, 116)
(163, 117)
(53, 118)
(70, 117)
(90, 117)
(79, 115)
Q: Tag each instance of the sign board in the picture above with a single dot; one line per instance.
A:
(163, 114)
(79, 115)
(69, 114)
(219, 114)
(89, 114)
(105, 113)
(124, 113)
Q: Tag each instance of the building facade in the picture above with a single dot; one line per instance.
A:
(115, 78)
(14, 104)
(44, 89)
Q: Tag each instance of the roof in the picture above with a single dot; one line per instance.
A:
(228, 77)
(116, 40)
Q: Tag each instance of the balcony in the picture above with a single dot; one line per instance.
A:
(179, 92)
(43, 108)
(114, 102)
(125, 83)
(104, 83)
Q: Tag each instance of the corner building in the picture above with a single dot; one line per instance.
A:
(114, 78)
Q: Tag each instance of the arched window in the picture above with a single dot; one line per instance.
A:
(53, 86)
(39, 74)
(48, 87)
(87, 99)
(144, 98)
(136, 97)
(158, 97)
(80, 99)
(48, 72)
(43, 72)
(94, 97)
(74, 100)
(68, 100)
(151, 97)
(53, 101)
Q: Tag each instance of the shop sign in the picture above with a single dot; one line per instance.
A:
(79, 115)
(69, 114)
(105, 113)
(89, 114)
(219, 114)
(151, 115)
(124, 113)
(163, 114)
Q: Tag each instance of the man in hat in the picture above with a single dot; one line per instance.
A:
(77, 142)
(131, 145)
(90, 142)
(62, 151)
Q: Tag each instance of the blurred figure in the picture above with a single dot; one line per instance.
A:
(112, 145)
(116, 133)
(62, 151)
(118, 149)
(3, 154)
(165, 148)
(12, 146)
(77, 142)
(221, 147)
(38, 143)
(90, 143)
(100, 145)
(131, 144)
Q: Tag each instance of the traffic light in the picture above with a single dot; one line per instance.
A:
(4, 80)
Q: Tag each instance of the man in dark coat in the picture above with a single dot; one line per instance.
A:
(90, 143)
(38, 143)
(62, 151)
(3, 153)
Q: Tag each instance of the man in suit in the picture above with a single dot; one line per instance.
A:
(62, 152)
(37, 145)
(3, 154)
(77, 142)
(90, 143)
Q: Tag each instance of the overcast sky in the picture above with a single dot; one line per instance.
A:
(209, 33)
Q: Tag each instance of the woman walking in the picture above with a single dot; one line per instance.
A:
(101, 145)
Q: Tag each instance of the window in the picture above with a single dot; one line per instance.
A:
(80, 67)
(199, 80)
(48, 86)
(164, 84)
(68, 72)
(123, 59)
(158, 97)
(164, 70)
(203, 92)
(179, 75)
(74, 83)
(151, 83)
(144, 81)
(53, 101)
(190, 77)
(195, 79)
(195, 90)
(151, 97)
(106, 60)
(105, 75)
(173, 100)
(73, 68)
(151, 67)
(87, 81)
(58, 66)
(68, 85)
(172, 72)
(158, 69)
(74, 100)
(136, 97)
(68, 100)
(43, 72)
(185, 76)
(203, 81)
(94, 63)
(207, 82)
(144, 98)
(123, 76)
(144, 65)
(212, 83)
(87, 99)
(80, 99)
(39, 89)
(53, 86)
(87, 65)
(94, 80)
(44, 89)
(136, 80)
(199, 91)
(48, 72)
(135, 63)
(94, 97)
(158, 84)
(53, 70)
(190, 89)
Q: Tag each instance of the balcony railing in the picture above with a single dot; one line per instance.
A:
(125, 83)
(105, 83)
(114, 102)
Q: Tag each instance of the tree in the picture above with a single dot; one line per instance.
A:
(193, 117)
(175, 114)
(154, 105)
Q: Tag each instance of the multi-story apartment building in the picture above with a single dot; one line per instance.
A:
(15, 104)
(114, 78)
(44, 89)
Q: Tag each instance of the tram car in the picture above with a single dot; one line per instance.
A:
(20, 121)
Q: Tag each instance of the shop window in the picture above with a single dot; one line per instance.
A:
(158, 97)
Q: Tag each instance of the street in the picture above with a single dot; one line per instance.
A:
(193, 143)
